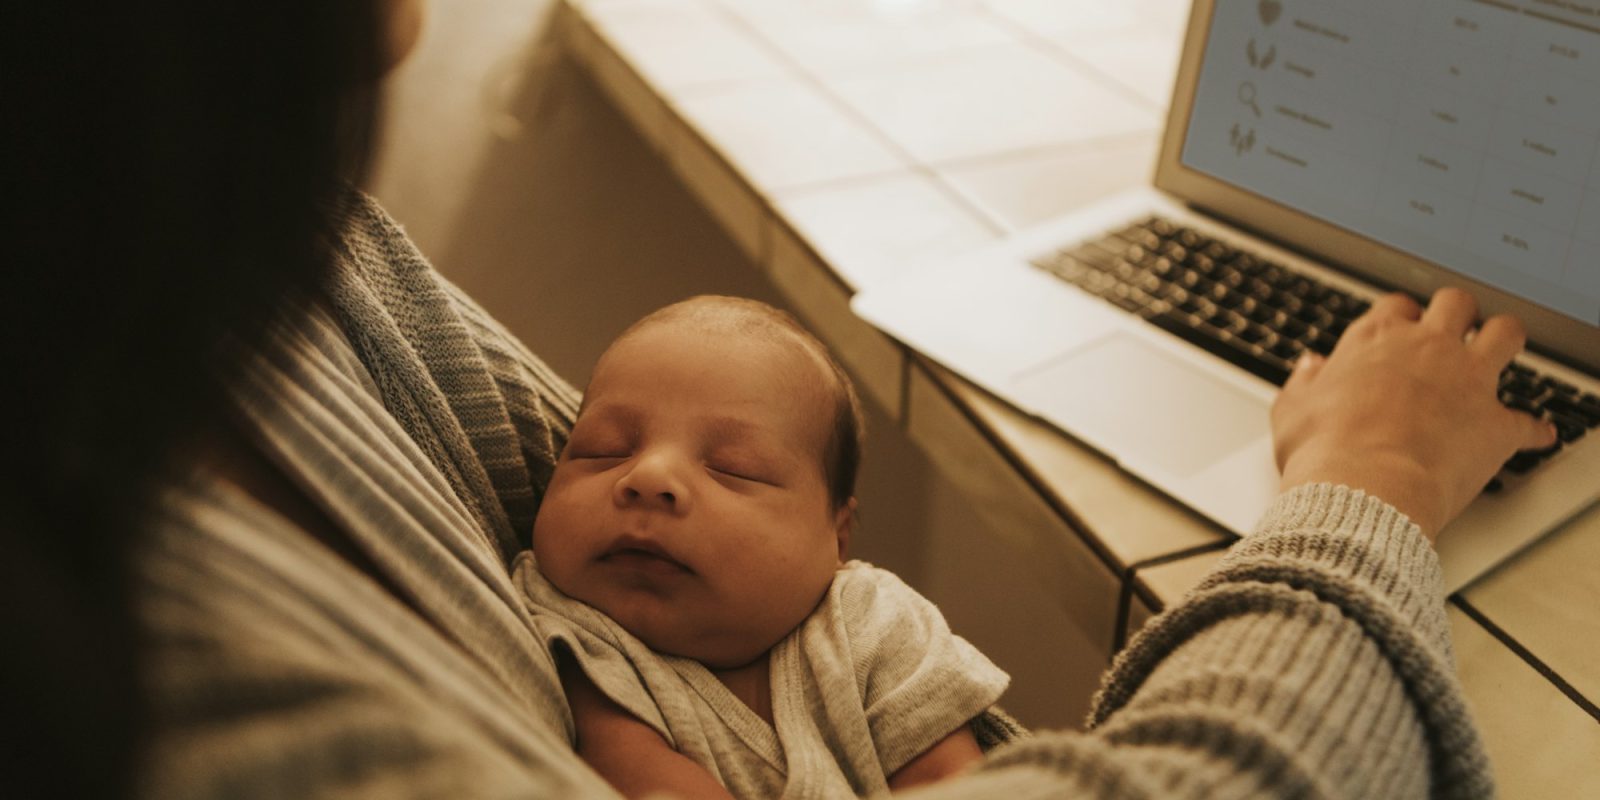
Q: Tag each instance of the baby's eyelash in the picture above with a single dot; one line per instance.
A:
(738, 475)
(588, 455)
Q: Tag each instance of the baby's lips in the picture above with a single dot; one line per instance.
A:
(628, 545)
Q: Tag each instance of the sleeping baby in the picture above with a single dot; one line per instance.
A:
(688, 573)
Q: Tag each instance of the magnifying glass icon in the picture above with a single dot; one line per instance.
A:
(1247, 96)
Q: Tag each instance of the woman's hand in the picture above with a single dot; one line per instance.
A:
(1406, 409)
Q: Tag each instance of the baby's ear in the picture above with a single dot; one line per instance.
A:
(844, 524)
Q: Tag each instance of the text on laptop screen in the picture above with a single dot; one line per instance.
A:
(1465, 132)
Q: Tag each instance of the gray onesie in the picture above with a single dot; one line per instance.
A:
(870, 680)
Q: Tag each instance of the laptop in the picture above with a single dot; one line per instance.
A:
(1316, 155)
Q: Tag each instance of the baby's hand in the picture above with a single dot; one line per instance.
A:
(952, 755)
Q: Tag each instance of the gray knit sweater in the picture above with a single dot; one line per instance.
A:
(1314, 663)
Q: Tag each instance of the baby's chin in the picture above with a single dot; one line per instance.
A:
(670, 634)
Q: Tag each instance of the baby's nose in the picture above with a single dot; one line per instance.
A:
(655, 481)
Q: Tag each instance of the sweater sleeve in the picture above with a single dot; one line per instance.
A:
(1314, 662)
(490, 415)
(541, 404)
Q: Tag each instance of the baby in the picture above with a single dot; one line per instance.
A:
(688, 570)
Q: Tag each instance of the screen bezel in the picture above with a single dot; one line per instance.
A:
(1549, 332)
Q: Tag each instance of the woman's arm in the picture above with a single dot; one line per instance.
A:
(629, 754)
(1315, 661)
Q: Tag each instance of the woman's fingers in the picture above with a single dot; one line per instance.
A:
(1396, 306)
(1530, 432)
(1452, 311)
(1499, 340)
(1304, 372)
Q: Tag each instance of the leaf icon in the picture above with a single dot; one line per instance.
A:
(1270, 57)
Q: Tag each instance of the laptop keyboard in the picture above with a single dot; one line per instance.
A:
(1261, 316)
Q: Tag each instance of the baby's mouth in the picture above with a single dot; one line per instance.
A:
(637, 553)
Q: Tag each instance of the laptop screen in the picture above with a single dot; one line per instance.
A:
(1463, 132)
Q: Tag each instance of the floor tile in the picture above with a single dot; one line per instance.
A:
(785, 133)
(990, 101)
(844, 34)
(870, 230)
(1535, 736)
(1539, 599)
(1145, 61)
(1088, 17)
(1029, 189)
(678, 45)
(1171, 581)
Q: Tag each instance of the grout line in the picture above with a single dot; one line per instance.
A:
(1047, 47)
(1532, 660)
(995, 225)
(1119, 633)
(1130, 577)
(996, 158)
(1079, 146)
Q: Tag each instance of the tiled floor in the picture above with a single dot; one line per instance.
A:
(891, 132)
(782, 133)
(871, 230)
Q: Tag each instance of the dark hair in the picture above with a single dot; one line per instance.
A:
(841, 456)
(173, 169)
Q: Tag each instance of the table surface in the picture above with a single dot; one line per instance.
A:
(866, 137)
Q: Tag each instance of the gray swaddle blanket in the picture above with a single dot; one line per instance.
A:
(870, 680)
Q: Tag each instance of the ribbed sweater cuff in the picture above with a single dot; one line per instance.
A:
(1319, 549)
(1348, 533)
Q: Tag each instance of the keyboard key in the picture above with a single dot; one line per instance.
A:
(1559, 386)
(1521, 387)
(1568, 429)
(1517, 402)
(1339, 304)
(1288, 349)
(1251, 359)
(1140, 235)
(1522, 463)
(1097, 254)
(1586, 408)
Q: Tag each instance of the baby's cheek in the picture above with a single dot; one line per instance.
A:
(553, 539)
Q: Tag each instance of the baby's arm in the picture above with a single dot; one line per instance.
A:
(629, 754)
(951, 755)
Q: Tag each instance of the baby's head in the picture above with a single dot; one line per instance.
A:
(706, 495)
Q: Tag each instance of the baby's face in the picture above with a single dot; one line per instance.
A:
(690, 504)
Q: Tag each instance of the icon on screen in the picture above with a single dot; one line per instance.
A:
(1247, 96)
(1241, 141)
(1270, 9)
(1258, 60)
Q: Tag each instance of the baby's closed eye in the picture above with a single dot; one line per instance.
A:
(598, 442)
(742, 467)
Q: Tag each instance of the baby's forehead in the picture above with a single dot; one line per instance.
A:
(718, 331)
(788, 362)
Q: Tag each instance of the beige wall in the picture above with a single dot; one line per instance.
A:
(524, 186)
